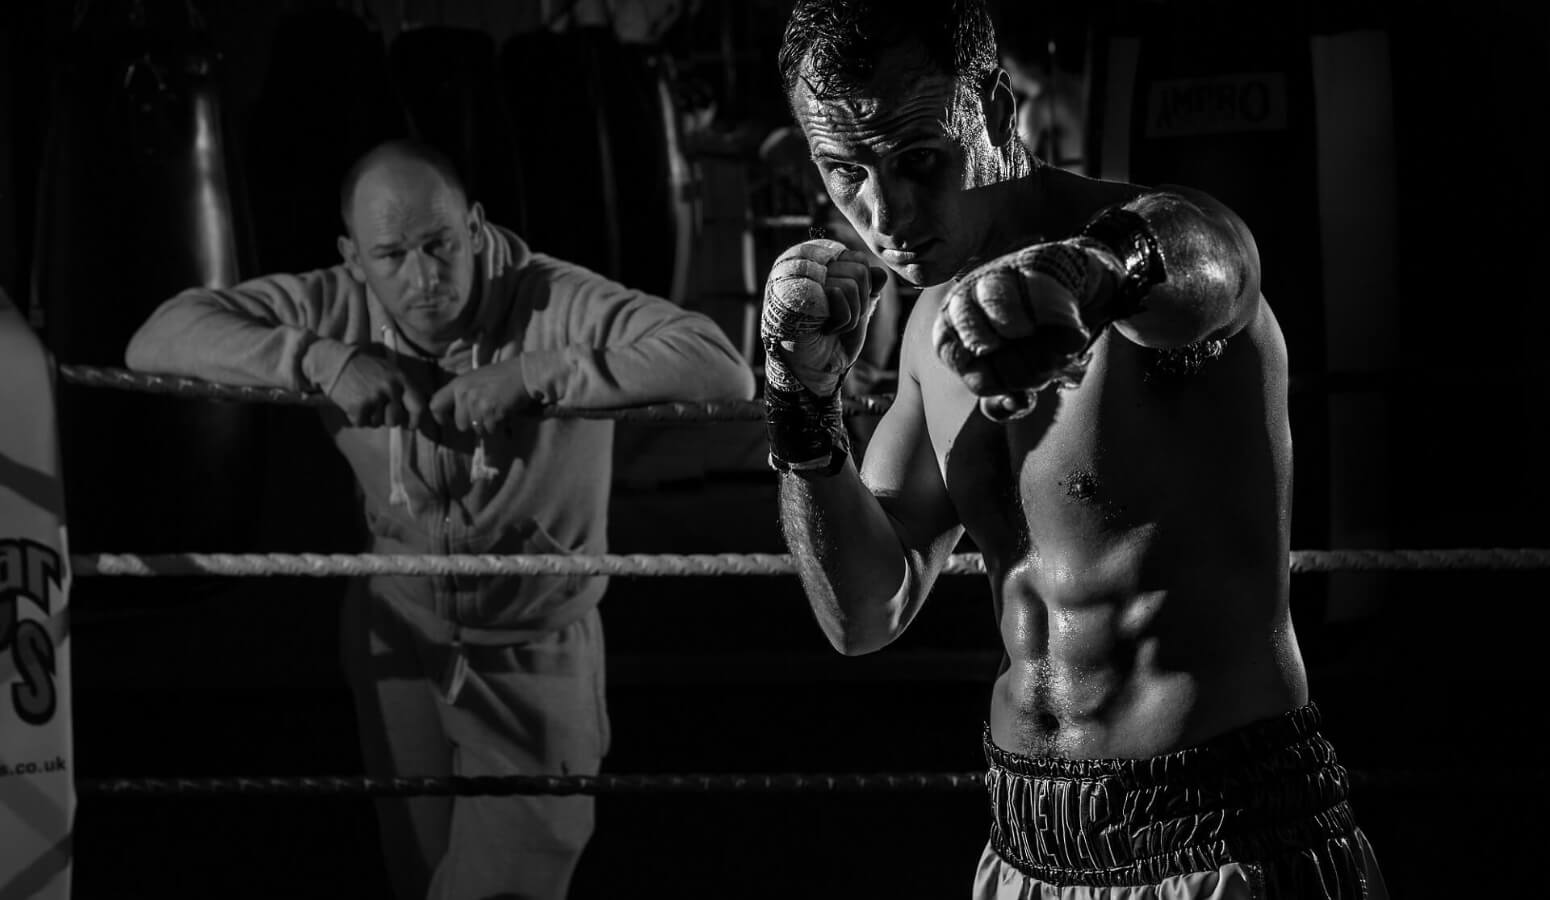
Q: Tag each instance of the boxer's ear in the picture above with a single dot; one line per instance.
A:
(999, 104)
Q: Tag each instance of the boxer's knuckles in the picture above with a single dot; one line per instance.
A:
(1028, 363)
(805, 295)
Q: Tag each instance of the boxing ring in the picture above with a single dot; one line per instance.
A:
(261, 565)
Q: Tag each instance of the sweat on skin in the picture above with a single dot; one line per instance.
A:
(910, 176)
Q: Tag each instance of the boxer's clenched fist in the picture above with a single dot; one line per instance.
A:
(1015, 325)
(817, 303)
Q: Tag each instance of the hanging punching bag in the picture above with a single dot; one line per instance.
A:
(554, 90)
(642, 133)
(136, 202)
(448, 79)
(609, 196)
(326, 99)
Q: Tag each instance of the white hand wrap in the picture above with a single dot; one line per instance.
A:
(803, 369)
(795, 310)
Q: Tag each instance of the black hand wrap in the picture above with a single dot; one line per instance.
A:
(807, 432)
(1128, 237)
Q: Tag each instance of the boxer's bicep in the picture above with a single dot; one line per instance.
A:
(901, 469)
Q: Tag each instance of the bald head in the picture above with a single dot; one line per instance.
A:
(397, 164)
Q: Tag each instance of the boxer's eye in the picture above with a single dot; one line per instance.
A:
(845, 173)
(919, 161)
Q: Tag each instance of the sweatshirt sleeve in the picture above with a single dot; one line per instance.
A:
(279, 331)
(600, 345)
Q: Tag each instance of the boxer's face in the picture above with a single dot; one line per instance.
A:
(413, 242)
(901, 159)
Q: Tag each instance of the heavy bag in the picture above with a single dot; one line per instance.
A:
(137, 202)
(596, 133)
(648, 166)
(326, 99)
(554, 91)
(449, 82)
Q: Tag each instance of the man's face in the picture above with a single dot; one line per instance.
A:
(900, 157)
(413, 242)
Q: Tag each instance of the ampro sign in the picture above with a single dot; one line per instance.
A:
(1184, 107)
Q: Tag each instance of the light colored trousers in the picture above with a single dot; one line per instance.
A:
(535, 708)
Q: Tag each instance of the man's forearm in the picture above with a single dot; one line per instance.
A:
(201, 340)
(687, 360)
(852, 564)
(280, 331)
(693, 361)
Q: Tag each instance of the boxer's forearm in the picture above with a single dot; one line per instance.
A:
(1212, 285)
(853, 566)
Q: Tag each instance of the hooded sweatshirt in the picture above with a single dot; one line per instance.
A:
(583, 342)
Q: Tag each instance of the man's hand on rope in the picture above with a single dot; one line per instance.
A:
(485, 401)
(373, 392)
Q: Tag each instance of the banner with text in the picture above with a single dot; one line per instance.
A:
(37, 788)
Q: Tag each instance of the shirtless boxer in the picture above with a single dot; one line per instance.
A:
(1094, 389)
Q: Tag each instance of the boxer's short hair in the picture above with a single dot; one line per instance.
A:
(833, 45)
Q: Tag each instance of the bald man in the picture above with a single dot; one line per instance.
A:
(432, 339)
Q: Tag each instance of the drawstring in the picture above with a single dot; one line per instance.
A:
(480, 469)
(497, 256)
(398, 495)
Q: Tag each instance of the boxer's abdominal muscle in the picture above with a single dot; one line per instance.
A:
(1134, 532)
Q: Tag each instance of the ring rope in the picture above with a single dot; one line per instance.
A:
(507, 785)
(674, 564)
(714, 411)
(735, 410)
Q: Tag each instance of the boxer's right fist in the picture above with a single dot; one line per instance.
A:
(817, 303)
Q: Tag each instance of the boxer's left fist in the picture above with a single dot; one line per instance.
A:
(1015, 325)
(817, 303)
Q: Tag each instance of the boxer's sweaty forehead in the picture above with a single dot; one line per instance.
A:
(878, 118)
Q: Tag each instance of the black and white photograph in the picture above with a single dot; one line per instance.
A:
(799, 449)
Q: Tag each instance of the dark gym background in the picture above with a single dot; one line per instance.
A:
(147, 146)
